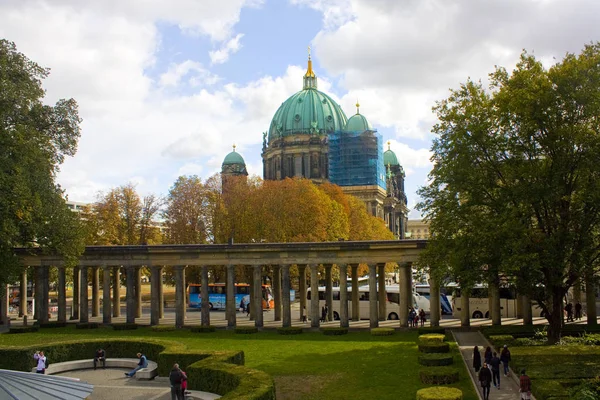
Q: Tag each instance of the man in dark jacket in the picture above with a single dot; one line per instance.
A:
(505, 358)
(495, 364)
(100, 356)
(485, 378)
(176, 377)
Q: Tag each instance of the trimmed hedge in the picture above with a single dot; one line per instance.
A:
(246, 330)
(500, 340)
(436, 359)
(87, 325)
(382, 331)
(334, 331)
(203, 329)
(431, 329)
(52, 324)
(23, 329)
(289, 330)
(438, 375)
(163, 328)
(434, 348)
(125, 327)
(223, 373)
(431, 338)
(439, 393)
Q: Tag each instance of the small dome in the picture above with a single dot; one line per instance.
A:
(233, 158)
(389, 157)
(358, 123)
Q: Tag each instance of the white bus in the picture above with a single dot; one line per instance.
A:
(392, 302)
(479, 303)
(446, 293)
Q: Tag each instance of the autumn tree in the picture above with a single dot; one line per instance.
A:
(186, 211)
(34, 140)
(514, 186)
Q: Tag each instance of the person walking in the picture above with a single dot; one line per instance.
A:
(100, 356)
(495, 364)
(505, 358)
(476, 359)
(485, 379)
(41, 360)
(176, 378)
(143, 363)
(487, 356)
(578, 309)
(524, 386)
(569, 310)
(422, 317)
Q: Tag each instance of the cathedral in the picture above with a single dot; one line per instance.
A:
(311, 137)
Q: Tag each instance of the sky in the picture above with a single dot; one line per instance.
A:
(165, 88)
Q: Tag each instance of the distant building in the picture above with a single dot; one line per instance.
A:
(417, 229)
(77, 206)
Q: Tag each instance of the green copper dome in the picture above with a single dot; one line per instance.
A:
(389, 157)
(233, 158)
(309, 112)
(358, 123)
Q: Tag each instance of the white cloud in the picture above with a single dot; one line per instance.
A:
(228, 48)
(196, 73)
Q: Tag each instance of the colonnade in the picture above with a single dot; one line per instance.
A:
(281, 286)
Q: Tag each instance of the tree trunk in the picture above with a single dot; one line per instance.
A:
(555, 320)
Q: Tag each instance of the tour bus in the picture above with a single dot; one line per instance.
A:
(446, 292)
(217, 295)
(479, 303)
(392, 302)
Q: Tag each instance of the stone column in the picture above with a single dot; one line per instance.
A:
(116, 306)
(130, 294)
(205, 307)
(355, 295)
(404, 286)
(4, 301)
(526, 308)
(494, 306)
(257, 302)
(381, 294)
(106, 306)
(373, 318)
(285, 291)
(37, 289)
(277, 291)
(23, 293)
(230, 305)
(328, 292)
(138, 292)
(75, 302)
(45, 294)
(344, 323)
(251, 307)
(314, 296)
(83, 295)
(161, 294)
(95, 291)
(302, 289)
(155, 281)
(590, 299)
(465, 308)
(434, 302)
(62, 295)
(179, 296)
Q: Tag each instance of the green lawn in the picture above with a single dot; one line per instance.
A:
(306, 366)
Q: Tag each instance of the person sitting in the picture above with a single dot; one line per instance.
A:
(100, 356)
(142, 364)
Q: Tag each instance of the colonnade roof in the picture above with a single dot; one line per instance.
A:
(342, 252)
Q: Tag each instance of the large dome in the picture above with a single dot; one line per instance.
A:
(389, 157)
(307, 112)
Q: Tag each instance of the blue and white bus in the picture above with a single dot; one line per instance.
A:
(446, 292)
(217, 294)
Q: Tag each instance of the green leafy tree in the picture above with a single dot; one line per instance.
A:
(514, 190)
(34, 140)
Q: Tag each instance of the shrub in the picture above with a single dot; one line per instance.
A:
(439, 393)
(500, 340)
(438, 375)
(588, 390)
(434, 348)
(431, 338)
(52, 324)
(124, 327)
(163, 328)
(529, 342)
(246, 330)
(382, 331)
(289, 330)
(334, 331)
(87, 325)
(431, 329)
(23, 329)
(436, 359)
(203, 329)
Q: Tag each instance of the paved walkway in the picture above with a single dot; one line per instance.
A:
(509, 386)
(111, 384)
